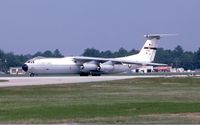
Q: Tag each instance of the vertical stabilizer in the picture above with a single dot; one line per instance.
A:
(148, 51)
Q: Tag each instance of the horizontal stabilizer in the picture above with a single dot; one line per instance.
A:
(158, 36)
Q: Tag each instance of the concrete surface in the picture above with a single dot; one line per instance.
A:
(29, 81)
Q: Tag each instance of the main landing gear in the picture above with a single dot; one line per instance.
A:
(32, 74)
(84, 74)
(87, 74)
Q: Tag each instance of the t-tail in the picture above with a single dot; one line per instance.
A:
(148, 51)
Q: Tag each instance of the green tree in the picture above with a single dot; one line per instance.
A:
(57, 53)
(188, 60)
(178, 51)
(178, 56)
(2, 54)
(48, 53)
(164, 56)
(91, 52)
(197, 59)
(106, 54)
(120, 53)
(37, 54)
(133, 51)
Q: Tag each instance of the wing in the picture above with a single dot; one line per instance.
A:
(82, 59)
(87, 59)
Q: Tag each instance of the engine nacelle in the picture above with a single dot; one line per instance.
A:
(89, 67)
(106, 68)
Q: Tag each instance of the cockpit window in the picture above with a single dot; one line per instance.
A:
(34, 59)
(30, 61)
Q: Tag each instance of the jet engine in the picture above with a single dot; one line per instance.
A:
(94, 66)
(89, 66)
(106, 68)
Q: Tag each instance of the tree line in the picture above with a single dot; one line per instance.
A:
(176, 57)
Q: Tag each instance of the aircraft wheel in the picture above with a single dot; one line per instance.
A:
(32, 74)
(84, 74)
(96, 74)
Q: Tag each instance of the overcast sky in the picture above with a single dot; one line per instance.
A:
(28, 26)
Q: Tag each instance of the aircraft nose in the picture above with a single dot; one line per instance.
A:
(25, 67)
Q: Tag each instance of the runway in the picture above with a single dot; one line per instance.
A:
(30, 81)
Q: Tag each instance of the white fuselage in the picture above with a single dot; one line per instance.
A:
(69, 66)
(53, 65)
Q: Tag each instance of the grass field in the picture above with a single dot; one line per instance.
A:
(150, 100)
